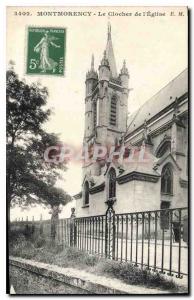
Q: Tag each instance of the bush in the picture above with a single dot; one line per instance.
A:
(91, 260)
(80, 257)
(17, 241)
(40, 242)
(131, 274)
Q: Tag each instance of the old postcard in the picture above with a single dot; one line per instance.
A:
(97, 150)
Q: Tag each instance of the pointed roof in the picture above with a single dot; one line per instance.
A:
(110, 53)
(92, 63)
(166, 158)
(165, 97)
(92, 73)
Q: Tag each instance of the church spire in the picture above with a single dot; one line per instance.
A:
(92, 63)
(109, 31)
(110, 53)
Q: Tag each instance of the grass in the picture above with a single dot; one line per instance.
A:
(28, 283)
(42, 250)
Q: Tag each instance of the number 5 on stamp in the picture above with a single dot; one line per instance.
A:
(46, 51)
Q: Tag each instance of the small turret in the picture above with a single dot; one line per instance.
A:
(124, 76)
(104, 69)
(91, 78)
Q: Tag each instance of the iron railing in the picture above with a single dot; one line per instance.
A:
(155, 240)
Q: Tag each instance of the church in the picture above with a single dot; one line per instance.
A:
(159, 128)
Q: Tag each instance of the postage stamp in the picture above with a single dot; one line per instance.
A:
(46, 49)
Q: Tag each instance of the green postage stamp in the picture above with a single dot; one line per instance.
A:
(46, 50)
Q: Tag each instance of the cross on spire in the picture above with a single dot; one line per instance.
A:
(109, 30)
(92, 63)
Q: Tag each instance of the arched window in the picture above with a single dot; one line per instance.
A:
(113, 111)
(112, 183)
(86, 193)
(167, 180)
(95, 113)
(164, 148)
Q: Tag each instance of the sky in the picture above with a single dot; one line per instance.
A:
(155, 50)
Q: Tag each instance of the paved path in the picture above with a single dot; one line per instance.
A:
(166, 255)
(127, 251)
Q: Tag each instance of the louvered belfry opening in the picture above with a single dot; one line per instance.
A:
(113, 111)
(95, 114)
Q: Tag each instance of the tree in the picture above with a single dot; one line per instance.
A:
(29, 178)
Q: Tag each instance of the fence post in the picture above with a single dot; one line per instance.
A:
(185, 229)
(54, 222)
(73, 229)
(33, 226)
(26, 227)
(110, 230)
(41, 225)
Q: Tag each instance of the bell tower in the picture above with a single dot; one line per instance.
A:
(106, 102)
(91, 83)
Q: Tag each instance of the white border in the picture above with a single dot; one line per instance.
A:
(55, 3)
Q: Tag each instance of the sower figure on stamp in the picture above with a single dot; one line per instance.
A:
(46, 63)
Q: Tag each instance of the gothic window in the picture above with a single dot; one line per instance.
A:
(112, 184)
(86, 193)
(95, 113)
(113, 111)
(165, 147)
(167, 180)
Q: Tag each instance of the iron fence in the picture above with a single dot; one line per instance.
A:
(155, 240)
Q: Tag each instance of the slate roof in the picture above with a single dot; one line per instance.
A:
(166, 96)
